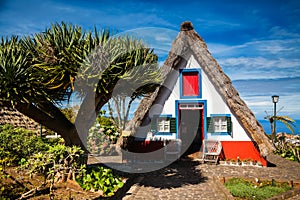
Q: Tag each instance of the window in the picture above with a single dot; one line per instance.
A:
(190, 83)
(219, 124)
(163, 124)
(190, 106)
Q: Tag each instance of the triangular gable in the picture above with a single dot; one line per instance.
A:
(188, 43)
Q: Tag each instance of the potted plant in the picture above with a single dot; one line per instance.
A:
(234, 162)
(222, 162)
(227, 161)
(253, 162)
(259, 164)
(239, 161)
(246, 162)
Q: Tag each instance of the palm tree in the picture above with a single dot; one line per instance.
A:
(286, 120)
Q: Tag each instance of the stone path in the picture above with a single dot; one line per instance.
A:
(181, 180)
(189, 179)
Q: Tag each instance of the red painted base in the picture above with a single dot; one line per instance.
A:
(242, 150)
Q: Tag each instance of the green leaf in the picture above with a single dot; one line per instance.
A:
(107, 181)
(120, 184)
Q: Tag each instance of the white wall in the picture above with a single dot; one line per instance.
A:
(169, 107)
(215, 105)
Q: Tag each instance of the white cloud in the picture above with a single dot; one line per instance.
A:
(252, 103)
(160, 39)
(264, 47)
(259, 59)
(242, 68)
(261, 62)
(263, 105)
(280, 32)
(210, 23)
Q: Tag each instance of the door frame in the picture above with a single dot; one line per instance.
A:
(177, 114)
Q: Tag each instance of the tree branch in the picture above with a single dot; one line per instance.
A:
(57, 123)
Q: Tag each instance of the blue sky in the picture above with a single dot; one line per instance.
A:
(257, 43)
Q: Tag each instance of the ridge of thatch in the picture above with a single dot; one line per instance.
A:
(13, 117)
(188, 43)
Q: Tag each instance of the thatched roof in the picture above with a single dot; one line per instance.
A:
(13, 117)
(186, 44)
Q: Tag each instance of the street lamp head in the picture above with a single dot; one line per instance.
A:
(275, 98)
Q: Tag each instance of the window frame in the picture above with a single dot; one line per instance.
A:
(185, 71)
(211, 125)
(172, 124)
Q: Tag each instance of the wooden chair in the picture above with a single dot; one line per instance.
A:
(211, 151)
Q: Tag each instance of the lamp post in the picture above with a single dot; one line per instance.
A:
(275, 99)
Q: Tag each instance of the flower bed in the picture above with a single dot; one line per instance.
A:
(240, 163)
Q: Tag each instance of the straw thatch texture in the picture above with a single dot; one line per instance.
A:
(189, 43)
(15, 118)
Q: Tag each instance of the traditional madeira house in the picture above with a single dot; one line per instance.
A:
(197, 102)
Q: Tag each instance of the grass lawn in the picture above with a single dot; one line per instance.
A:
(243, 189)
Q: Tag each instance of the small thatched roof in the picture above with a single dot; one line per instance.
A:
(13, 117)
(189, 43)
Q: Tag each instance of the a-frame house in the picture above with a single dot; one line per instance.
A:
(198, 102)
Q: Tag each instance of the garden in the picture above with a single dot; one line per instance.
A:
(35, 167)
(245, 189)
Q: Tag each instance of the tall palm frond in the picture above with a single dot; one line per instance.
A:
(287, 121)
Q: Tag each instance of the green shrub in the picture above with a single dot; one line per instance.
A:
(247, 190)
(57, 164)
(70, 112)
(59, 160)
(290, 152)
(104, 121)
(101, 139)
(18, 143)
(100, 178)
(287, 150)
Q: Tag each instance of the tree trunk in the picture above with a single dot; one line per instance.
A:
(127, 112)
(116, 102)
(56, 122)
(110, 111)
(50, 116)
(123, 101)
(88, 112)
